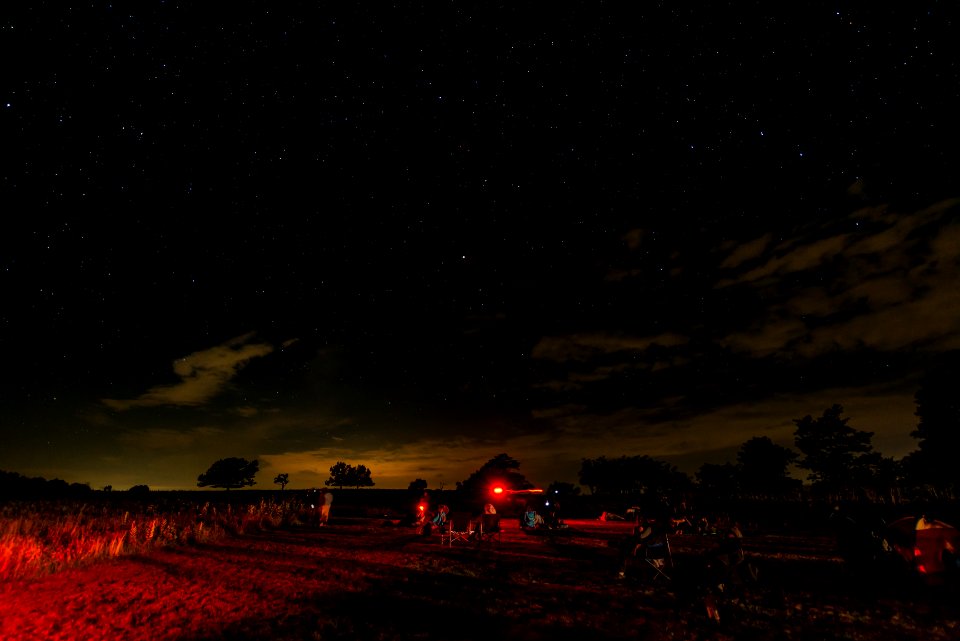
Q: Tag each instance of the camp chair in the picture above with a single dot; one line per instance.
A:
(657, 555)
(489, 528)
(459, 528)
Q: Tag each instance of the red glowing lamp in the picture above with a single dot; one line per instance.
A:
(499, 491)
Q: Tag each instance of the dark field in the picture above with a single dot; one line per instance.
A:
(373, 579)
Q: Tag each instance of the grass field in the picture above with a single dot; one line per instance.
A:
(374, 579)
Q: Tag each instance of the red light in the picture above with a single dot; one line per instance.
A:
(501, 490)
(917, 552)
(422, 507)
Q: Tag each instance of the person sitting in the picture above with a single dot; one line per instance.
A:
(485, 524)
(424, 524)
(681, 525)
(425, 519)
(553, 520)
(439, 519)
(530, 520)
(420, 515)
(646, 533)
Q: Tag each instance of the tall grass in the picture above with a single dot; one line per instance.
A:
(43, 537)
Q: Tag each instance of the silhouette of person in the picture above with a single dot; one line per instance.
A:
(325, 503)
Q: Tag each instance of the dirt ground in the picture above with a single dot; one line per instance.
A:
(371, 579)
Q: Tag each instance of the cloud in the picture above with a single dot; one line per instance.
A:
(634, 238)
(745, 252)
(203, 375)
(171, 440)
(877, 281)
(703, 437)
(797, 259)
(856, 188)
(581, 347)
(890, 286)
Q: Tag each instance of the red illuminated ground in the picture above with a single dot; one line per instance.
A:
(376, 580)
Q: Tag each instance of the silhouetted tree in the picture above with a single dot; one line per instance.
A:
(502, 470)
(596, 474)
(359, 476)
(880, 478)
(561, 489)
(80, 489)
(139, 489)
(762, 468)
(631, 475)
(344, 475)
(417, 485)
(938, 430)
(718, 480)
(17, 485)
(58, 487)
(282, 480)
(339, 475)
(230, 473)
(833, 451)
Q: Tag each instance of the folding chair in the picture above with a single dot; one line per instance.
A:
(657, 555)
(459, 529)
(489, 528)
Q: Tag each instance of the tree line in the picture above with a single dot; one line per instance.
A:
(234, 473)
(839, 460)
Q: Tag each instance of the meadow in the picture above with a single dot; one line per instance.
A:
(261, 570)
(43, 537)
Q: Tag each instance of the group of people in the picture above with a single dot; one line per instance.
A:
(679, 520)
(532, 519)
(427, 520)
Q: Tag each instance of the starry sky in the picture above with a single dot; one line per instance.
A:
(415, 235)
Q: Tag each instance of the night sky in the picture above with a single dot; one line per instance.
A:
(414, 236)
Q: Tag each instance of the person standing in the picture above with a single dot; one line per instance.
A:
(326, 500)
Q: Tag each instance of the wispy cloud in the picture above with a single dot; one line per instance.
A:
(171, 440)
(203, 375)
(578, 432)
(877, 282)
(746, 251)
(580, 347)
(891, 286)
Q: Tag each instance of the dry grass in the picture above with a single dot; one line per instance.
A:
(39, 538)
(372, 579)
